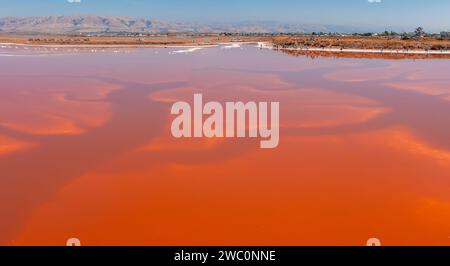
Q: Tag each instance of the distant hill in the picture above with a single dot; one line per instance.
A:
(108, 24)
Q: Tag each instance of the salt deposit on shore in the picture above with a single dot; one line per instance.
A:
(186, 51)
(232, 46)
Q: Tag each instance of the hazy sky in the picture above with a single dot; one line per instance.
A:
(434, 15)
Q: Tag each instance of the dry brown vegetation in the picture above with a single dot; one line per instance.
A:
(391, 56)
(132, 40)
(361, 42)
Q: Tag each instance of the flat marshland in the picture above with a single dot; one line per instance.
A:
(383, 47)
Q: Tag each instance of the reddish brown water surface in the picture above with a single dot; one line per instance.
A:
(86, 150)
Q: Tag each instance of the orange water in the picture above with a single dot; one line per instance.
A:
(86, 150)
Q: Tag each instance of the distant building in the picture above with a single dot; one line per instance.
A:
(445, 34)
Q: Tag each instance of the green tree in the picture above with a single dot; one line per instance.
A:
(419, 32)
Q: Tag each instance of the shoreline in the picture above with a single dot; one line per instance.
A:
(115, 46)
(375, 51)
(311, 51)
(118, 46)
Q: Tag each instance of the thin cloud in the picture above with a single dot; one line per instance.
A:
(74, 1)
(374, 1)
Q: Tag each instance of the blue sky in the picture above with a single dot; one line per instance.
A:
(434, 15)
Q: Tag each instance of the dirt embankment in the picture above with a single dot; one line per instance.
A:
(379, 47)
(124, 40)
(358, 42)
(362, 55)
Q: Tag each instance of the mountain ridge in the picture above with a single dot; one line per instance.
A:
(58, 24)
